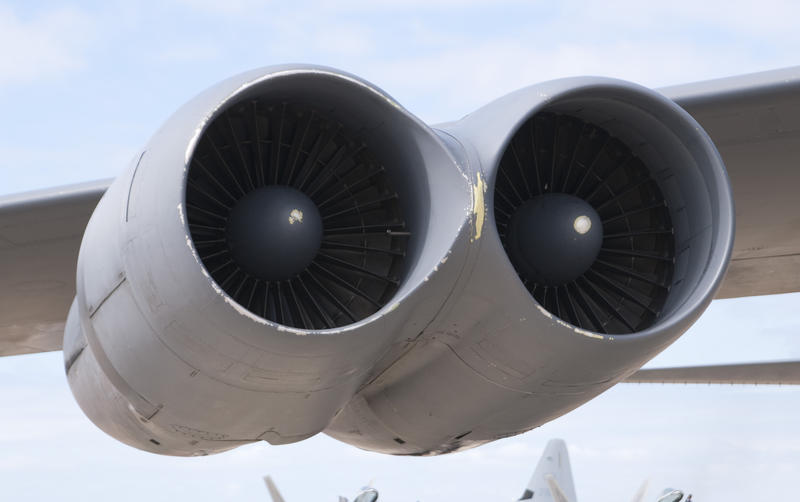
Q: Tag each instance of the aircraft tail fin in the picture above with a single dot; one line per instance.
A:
(552, 479)
(273, 490)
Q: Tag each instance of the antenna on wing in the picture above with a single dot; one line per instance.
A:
(273, 490)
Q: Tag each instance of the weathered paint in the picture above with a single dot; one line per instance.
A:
(478, 206)
(544, 311)
(588, 333)
(563, 323)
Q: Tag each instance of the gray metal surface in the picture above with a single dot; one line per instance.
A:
(40, 233)
(771, 373)
(511, 363)
(161, 357)
(172, 364)
(754, 120)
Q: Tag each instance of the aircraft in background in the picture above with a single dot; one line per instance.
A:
(552, 479)
(367, 494)
(671, 495)
(293, 252)
(551, 482)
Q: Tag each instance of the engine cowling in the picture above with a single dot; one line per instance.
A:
(513, 347)
(180, 342)
(294, 252)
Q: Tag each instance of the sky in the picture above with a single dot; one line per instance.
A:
(84, 84)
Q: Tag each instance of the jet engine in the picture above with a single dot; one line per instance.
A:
(293, 252)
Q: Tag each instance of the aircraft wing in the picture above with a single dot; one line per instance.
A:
(754, 120)
(40, 234)
(770, 373)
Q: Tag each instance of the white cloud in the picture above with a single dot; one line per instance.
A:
(195, 52)
(742, 18)
(470, 76)
(36, 166)
(348, 39)
(48, 44)
(222, 7)
(416, 5)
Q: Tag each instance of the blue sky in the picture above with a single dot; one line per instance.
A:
(84, 84)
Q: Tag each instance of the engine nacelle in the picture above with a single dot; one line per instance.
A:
(546, 315)
(294, 252)
(180, 341)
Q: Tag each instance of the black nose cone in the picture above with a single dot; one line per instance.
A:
(554, 238)
(274, 232)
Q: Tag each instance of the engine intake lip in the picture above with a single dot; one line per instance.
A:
(368, 166)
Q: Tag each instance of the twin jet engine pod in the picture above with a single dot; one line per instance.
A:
(293, 252)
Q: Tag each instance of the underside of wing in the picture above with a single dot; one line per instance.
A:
(770, 373)
(754, 120)
(40, 234)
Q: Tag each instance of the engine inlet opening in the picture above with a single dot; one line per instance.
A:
(585, 225)
(293, 216)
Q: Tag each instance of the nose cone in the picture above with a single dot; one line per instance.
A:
(554, 238)
(274, 232)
